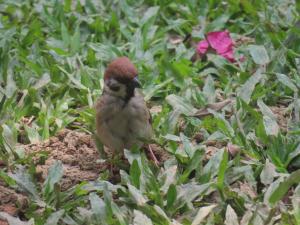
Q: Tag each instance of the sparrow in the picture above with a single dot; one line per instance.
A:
(122, 117)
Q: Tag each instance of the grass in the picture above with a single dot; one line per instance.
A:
(52, 59)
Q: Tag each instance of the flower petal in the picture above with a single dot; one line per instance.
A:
(222, 43)
(229, 56)
(202, 47)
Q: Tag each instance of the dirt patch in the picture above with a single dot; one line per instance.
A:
(9, 196)
(77, 152)
(79, 155)
(282, 116)
(11, 202)
(160, 154)
(81, 162)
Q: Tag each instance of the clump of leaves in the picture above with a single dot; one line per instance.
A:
(52, 58)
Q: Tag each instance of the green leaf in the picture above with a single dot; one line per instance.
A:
(135, 173)
(209, 89)
(141, 219)
(248, 87)
(162, 214)
(65, 35)
(173, 119)
(171, 195)
(188, 192)
(98, 207)
(222, 170)
(13, 220)
(218, 23)
(32, 134)
(11, 86)
(169, 176)
(24, 181)
(43, 81)
(222, 123)
(187, 145)
(212, 167)
(6, 178)
(137, 196)
(268, 173)
(55, 217)
(181, 104)
(259, 54)
(193, 164)
(296, 204)
(9, 138)
(118, 213)
(75, 41)
(284, 186)
(231, 217)
(149, 14)
(172, 137)
(269, 119)
(55, 174)
(295, 153)
(285, 80)
(152, 90)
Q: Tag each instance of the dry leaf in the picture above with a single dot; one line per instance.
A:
(268, 173)
(210, 151)
(216, 143)
(247, 189)
(215, 106)
(231, 217)
(202, 214)
(155, 109)
(175, 39)
(233, 149)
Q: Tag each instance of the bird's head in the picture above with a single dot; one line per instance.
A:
(120, 78)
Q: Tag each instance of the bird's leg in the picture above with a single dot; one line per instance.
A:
(111, 164)
(115, 161)
(152, 156)
(109, 158)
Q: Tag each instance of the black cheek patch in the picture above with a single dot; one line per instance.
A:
(114, 87)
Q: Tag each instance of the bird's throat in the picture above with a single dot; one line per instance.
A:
(129, 93)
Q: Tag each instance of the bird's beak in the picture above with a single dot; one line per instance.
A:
(136, 83)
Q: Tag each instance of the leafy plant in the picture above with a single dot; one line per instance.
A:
(235, 164)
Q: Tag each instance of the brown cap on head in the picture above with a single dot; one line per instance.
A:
(120, 68)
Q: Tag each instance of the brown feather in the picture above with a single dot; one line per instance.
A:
(121, 69)
(121, 127)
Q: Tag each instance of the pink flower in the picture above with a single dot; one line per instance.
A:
(202, 47)
(220, 41)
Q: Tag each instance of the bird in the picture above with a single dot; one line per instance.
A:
(122, 117)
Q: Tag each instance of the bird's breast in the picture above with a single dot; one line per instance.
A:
(123, 123)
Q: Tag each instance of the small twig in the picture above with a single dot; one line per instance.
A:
(153, 157)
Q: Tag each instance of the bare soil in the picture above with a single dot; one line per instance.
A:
(282, 116)
(80, 159)
(11, 202)
(77, 152)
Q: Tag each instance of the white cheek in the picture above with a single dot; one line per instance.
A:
(122, 91)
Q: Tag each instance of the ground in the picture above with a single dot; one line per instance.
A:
(81, 162)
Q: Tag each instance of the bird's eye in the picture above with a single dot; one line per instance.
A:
(114, 87)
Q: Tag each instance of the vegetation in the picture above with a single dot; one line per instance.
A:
(235, 164)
